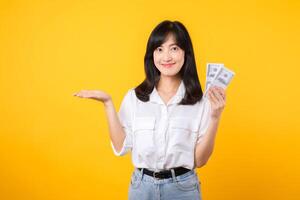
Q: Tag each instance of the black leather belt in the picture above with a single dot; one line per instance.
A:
(165, 173)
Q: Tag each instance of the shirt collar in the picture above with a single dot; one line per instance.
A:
(155, 98)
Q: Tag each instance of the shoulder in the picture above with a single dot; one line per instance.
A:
(131, 92)
(130, 95)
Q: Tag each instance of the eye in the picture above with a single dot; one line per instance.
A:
(159, 49)
(175, 48)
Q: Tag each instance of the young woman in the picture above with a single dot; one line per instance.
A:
(166, 122)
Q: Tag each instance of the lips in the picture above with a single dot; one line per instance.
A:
(168, 65)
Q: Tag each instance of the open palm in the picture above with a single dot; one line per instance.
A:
(93, 94)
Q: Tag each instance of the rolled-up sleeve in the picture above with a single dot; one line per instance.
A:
(125, 115)
(204, 119)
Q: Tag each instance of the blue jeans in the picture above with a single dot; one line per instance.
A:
(182, 187)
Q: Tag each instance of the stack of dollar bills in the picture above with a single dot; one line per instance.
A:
(217, 75)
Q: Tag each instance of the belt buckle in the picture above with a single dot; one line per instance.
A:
(155, 176)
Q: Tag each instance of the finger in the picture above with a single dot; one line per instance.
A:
(80, 94)
(218, 99)
(222, 93)
(212, 97)
(221, 99)
(215, 94)
(218, 96)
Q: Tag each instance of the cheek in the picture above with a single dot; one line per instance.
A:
(156, 60)
(178, 56)
(180, 59)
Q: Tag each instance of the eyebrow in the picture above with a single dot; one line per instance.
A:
(171, 44)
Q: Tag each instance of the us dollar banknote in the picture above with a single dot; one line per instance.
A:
(219, 75)
(223, 77)
(211, 71)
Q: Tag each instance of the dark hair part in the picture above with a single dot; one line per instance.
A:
(188, 72)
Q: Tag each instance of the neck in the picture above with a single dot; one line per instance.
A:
(168, 84)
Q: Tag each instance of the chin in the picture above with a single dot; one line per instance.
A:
(168, 73)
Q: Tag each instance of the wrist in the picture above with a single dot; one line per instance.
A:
(108, 103)
(215, 118)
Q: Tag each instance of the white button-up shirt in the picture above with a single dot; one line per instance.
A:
(162, 136)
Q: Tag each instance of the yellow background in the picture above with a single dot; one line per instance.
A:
(56, 146)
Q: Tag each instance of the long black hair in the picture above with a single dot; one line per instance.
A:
(188, 72)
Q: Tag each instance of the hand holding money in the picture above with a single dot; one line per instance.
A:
(217, 98)
(218, 78)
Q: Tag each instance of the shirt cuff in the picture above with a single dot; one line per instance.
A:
(124, 150)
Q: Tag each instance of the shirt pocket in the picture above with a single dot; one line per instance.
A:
(144, 135)
(182, 134)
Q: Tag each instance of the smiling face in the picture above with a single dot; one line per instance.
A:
(169, 57)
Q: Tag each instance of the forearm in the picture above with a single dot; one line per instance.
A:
(116, 132)
(204, 149)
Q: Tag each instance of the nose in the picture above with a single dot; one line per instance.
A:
(167, 57)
